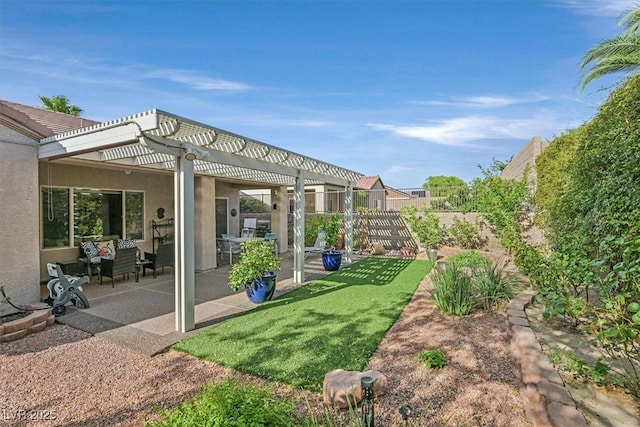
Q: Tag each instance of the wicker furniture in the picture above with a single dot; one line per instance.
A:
(162, 258)
(123, 263)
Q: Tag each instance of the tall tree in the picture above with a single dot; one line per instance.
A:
(60, 103)
(444, 181)
(619, 54)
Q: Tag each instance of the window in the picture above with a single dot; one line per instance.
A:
(55, 217)
(134, 208)
(96, 214)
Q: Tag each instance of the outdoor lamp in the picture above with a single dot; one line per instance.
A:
(366, 383)
(189, 153)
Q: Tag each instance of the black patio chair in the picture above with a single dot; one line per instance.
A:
(162, 258)
(123, 263)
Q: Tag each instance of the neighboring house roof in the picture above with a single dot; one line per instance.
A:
(43, 123)
(394, 193)
(368, 182)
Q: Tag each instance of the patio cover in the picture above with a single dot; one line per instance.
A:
(159, 140)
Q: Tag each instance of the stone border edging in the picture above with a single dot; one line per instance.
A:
(35, 322)
(547, 401)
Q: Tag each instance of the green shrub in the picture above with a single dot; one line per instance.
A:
(469, 259)
(492, 285)
(311, 229)
(452, 292)
(231, 403)
(426, 227)
(433, 359)
(330, 226)
(466, 235)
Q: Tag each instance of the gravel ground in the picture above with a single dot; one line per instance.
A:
(63, 376)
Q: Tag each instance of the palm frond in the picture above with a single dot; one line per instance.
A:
(631, 20)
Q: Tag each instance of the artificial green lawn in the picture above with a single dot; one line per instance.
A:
(335, 322)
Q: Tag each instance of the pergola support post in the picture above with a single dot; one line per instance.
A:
(184, 265)
(348, 223)
(298, 230)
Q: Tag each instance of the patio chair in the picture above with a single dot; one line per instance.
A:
(229, 247)
(319, 245)
(162, 258)
(249, 227)
(123, 263)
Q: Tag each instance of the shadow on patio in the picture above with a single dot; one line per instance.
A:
(141, 315)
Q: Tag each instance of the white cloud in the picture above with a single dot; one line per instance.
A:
(196, 80)
(396, 169)
(483, 101)
(599, 8)
(462, 131)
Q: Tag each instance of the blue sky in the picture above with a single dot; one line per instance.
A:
(401, 89)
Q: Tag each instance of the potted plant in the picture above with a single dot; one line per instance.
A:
(332, 258)
(427, 228)
(255, 270)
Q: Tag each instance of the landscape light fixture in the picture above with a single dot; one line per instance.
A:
(406, 412)
(366, 383)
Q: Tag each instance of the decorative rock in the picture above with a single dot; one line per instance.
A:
(378, 249)
(343, 388)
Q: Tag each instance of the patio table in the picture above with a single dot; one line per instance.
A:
(140, 265)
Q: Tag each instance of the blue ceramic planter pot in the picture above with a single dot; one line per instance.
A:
(261, 290)
(331, 260)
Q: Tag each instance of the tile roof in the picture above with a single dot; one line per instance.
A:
(367, 182)
(43, 122)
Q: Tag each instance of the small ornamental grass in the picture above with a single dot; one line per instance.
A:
(493, 286)
(433, 359)
(452, 292)
(470, 280)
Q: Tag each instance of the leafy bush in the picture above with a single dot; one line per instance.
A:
(426, 226)
(311, 229)
(452, 291)
(580, 368)
(589, 205)
(467, 235)
(469, 259)
(504, 204)
(433, 359)
(492, 285)
(330, 226)
(257, 258)
(231, 403)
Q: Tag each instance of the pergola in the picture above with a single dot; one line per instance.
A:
(159, 140)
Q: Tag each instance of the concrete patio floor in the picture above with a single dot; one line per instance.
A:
(141, 316)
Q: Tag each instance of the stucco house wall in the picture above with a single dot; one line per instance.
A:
(19, 273)
(158, 193)
(157, 188)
